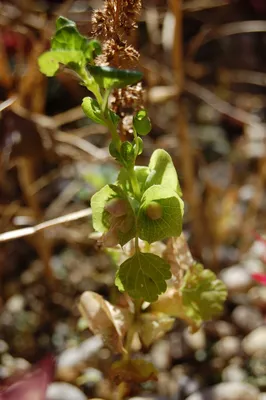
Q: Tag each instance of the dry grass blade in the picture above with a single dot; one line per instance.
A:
(7, 103)
(18, 233)
(220, 105)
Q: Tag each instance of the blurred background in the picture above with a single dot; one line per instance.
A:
(205, 82)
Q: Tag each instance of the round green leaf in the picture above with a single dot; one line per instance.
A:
(170, 223)
(142, 122)
(162, 171)
(143, 276)
(108, 77)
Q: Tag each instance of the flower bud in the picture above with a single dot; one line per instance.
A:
(154, 210)
(117, 207)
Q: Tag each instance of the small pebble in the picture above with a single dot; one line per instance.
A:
(255, 342)
(236, 279)
(227, 347)
(227, 391)
(247, 318)
(70, 359)
(64, 391)
(196, 341)
(3, 346)
(160, 354)
(257, 297)
(15, 303)
(233, 373)
(219, 329)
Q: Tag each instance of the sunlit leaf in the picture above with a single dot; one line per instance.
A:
(153, 326)
(68, 47)
(162, 171)
(105, 319)
(141, 175)
(143, 276)
(142, 122)
(116, 229)
(136, 371)
(203, 295)
(108, 77)
(50, 61)
(92, 110)
(127, 154)
(170, 223)
(200, 298)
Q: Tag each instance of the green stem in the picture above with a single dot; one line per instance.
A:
(134, 182)
(136, 140)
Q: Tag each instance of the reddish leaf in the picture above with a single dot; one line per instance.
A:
(31, 385)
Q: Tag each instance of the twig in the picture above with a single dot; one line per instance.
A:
(7, 103)
(187, 162)
(220, 105)
(18, 233)
(83, 145)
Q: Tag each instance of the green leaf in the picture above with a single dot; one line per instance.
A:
(114, 117)
(141, 174)
(142, 123)
(143, 276)
(170, 223)
(108, 77)
(68, 47)
(62, 22)
(50, 61)
(203, 295)
(154, 326)
(121, 228)
(92, 110)
(127, 153)
(162, 171)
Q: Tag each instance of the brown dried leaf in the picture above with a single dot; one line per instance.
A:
(178, 255)
(136, 371)
(105, 319)
(154, 326)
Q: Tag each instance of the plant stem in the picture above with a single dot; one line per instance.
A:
(134, 183)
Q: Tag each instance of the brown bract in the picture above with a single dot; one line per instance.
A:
(113, 25)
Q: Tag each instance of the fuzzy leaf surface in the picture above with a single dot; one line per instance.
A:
(162, 171)
(144, 276)
(170, 223)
